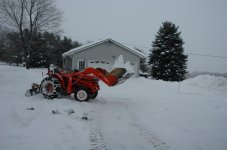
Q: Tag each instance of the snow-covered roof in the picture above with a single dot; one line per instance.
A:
(84, 47)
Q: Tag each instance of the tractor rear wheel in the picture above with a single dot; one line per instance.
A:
(81, 94)
(51, 87)
(93, 95)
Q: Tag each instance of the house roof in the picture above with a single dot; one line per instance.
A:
(84, 47)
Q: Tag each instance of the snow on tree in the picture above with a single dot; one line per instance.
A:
(167, 58)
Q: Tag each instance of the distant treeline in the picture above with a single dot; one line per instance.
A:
(46, 48)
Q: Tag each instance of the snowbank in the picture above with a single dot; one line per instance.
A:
(144, 113)
(208, 82)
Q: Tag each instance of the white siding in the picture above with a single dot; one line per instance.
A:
(107, 51)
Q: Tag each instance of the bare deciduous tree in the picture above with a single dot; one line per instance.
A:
(42, 15)
(29, 17)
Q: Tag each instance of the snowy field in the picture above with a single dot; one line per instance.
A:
(141, 114)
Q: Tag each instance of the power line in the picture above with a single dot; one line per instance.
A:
(137, 45)
(206, 55)
(149, 48)
(198, 54)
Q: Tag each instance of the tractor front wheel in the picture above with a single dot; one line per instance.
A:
(81, 94)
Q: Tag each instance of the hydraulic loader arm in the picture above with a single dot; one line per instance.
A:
(116, 76)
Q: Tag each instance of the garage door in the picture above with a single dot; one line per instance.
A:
(100, 64)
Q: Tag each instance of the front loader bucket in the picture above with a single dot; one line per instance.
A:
(120, 74)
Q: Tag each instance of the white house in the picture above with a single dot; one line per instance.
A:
(101, 54)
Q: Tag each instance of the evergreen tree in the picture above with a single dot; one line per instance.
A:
(167, 58)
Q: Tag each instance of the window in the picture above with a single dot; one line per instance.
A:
(81, 64)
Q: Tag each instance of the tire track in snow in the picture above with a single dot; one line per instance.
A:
(144, 132)
(149, 136)
(97, 139)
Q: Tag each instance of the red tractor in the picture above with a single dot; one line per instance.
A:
(84, 84)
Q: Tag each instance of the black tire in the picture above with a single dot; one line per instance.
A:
(81, 94)
(50, 87)
(93, 95)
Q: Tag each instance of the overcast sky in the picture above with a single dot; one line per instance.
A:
(203, 24)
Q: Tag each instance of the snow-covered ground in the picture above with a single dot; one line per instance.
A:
(139, 114)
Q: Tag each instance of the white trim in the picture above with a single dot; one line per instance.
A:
(81, 48)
